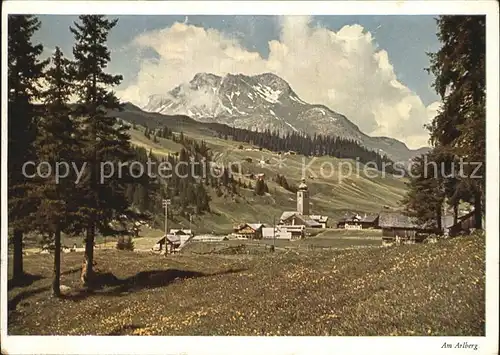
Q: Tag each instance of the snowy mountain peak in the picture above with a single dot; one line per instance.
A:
(263, 101)
(274, 82)
(205, 79)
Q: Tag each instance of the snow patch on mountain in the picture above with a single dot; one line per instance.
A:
(267, 93)
(261, 102)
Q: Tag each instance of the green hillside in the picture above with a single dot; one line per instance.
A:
(332, 193)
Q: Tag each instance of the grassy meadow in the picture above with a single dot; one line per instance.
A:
(425, 289)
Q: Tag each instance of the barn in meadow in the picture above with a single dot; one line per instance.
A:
(397, 227)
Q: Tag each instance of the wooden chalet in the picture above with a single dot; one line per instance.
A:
(172, 243)
(397, 227)
(249, 230)
(174, 240)
(358, 221)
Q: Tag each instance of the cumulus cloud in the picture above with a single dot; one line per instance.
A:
(344, 70)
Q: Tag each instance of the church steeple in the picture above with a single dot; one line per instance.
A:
(302, 185)
(303, 199)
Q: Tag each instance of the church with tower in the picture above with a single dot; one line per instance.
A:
(302, 215)
(303, 199)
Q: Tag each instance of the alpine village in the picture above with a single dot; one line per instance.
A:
(239, 238)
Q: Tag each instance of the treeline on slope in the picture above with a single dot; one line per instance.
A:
(454, 170)
(317, 145)
(188, 187)
(186, 192)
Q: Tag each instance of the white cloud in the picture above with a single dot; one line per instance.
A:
(343, 70)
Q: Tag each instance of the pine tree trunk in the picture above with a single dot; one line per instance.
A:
(455, 213)
(478, 212)
(56, 283)
(18, 271)
(89, 256)
(439, 215)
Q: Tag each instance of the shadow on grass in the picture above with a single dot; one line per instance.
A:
(71, 271)
(28, 279)
(108, 284)
(12, 304)
(25, 280)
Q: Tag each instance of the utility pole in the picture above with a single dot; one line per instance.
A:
(165, 204)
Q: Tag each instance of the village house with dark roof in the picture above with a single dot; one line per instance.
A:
(395, 220)
(292, 218)
(249, 230)
(400, 227)
(174, 240)
(359, 221)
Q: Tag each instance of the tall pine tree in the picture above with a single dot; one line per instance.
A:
(55, 143)
(25, 70)
(104, 140)
(460, 79)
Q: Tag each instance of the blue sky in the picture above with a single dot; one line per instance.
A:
(405, 39)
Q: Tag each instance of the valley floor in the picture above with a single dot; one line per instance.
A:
(427, 289)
